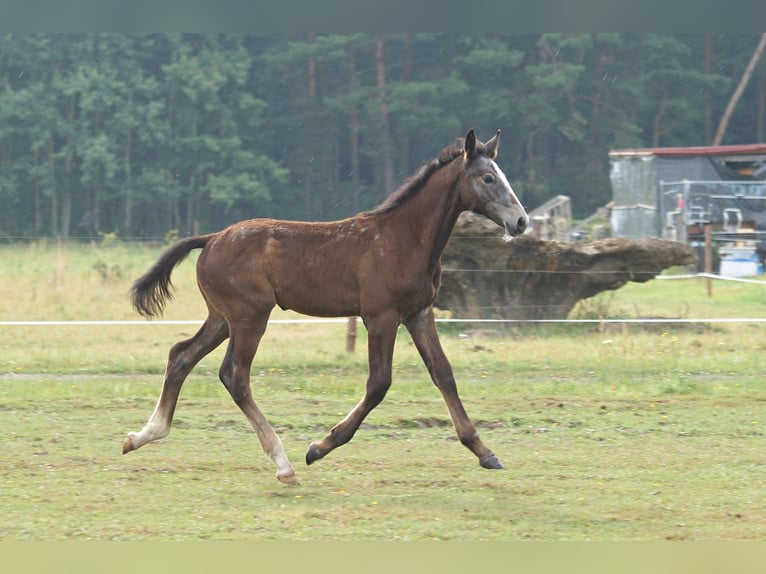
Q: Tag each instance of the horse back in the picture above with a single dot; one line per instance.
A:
(308, 267)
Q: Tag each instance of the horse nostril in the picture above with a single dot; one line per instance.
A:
(521, 224)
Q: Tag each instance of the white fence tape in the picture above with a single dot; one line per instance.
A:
(713, 276)
(344, 320)
(139, 322)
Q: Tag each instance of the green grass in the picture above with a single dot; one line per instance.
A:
(578, 467)
(613, 432)
(681, 298)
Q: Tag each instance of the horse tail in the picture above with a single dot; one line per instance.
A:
(151, 291)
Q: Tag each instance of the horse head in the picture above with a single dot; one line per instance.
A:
(485, 189)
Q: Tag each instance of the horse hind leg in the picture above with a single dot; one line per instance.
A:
(182, 359)
(235, 376)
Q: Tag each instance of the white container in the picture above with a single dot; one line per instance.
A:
(740, 267)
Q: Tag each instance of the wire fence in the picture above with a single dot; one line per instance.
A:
(316, 321)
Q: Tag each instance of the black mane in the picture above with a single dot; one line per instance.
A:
(412, 184)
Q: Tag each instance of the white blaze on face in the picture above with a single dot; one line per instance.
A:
(504, 180)
(501, 175)
(507, 237)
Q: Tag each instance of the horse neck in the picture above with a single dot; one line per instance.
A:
(428, 217)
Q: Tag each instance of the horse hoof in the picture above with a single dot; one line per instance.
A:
(288, 478)
(127, 446)
(313, 454)
(491, 462)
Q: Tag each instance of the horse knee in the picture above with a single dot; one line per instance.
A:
(226, 371)
(225, 374)
(376, 391)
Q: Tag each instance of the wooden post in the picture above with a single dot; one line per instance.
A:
(709, 257)
(351, 335)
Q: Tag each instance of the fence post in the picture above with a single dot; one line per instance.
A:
(351, 334)
(709, 257)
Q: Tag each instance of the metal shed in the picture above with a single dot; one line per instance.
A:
(666, 192)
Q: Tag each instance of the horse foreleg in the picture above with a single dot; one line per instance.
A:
(423, 331)
(182, 359)
(235, 376)
(381, 338)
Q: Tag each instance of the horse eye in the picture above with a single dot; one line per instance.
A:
(488, 178)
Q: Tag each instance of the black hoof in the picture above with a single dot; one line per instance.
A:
(313, 454)
(491, 462)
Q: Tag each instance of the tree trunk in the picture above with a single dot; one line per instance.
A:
(738, 92)
(66, 214)
(189, 216)
(407, 67)
(530, 149)
(760, 128)
(707, 69)
(194, 182)
(175, 215)
(385, 129)
(308, 181)
(354, 121)
(656, 130)
(38, 199)
(97, 200)
(54, 195)
(38, 213)
(66, 196)
(403, 142)
(127, 221)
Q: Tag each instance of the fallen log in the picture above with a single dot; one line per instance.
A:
(529, 278)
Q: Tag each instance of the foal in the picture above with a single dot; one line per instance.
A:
(382, 265)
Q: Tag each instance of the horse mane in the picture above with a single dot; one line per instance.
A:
(412, 184)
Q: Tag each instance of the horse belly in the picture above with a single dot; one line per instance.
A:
(317, 290)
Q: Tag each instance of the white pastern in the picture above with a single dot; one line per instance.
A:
(152, 431)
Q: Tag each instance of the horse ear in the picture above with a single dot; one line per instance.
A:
(491, 145)
(470, 144)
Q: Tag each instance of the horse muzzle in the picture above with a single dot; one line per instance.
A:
(517, 226)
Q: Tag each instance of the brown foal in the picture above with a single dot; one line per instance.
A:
(382, 265)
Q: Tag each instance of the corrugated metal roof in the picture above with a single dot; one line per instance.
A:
(745, 149)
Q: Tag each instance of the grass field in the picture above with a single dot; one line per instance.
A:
(612, 432)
